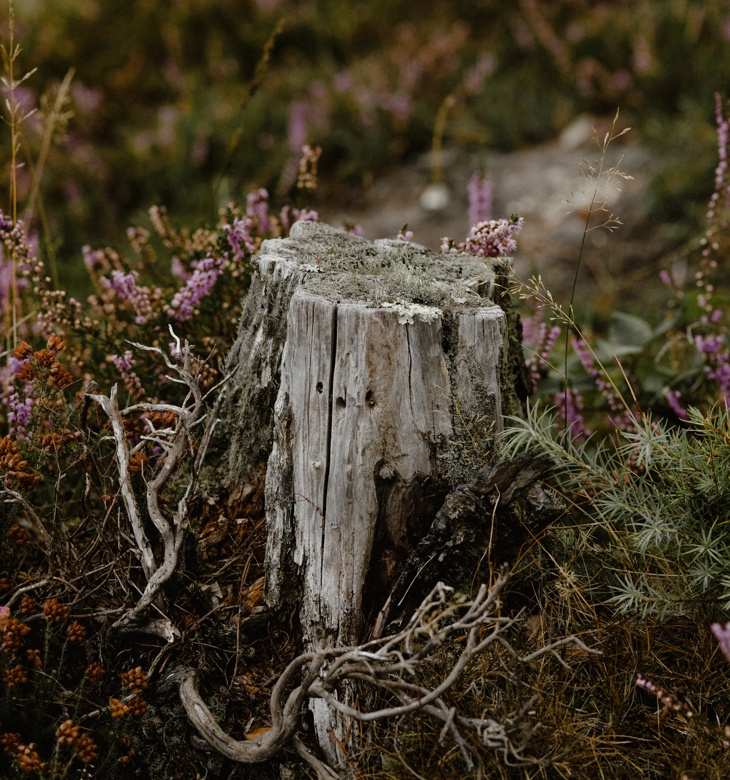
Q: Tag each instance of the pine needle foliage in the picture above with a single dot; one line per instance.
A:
(647, 511)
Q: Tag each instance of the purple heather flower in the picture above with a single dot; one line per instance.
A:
(20, 409)
(200, 284)
(93, 258)
(240, 237)
(666, 278)
(618, 414)
(6, 281)
(298, 125)
(544, 344)
(709, 345)
(125, 365)
(288, 216)
(475, 76)
(306, 215)
(480, 199)
(178, 270)
(125, 286)
(673, 399)
(722, 634)
(257, 207)
(719, 371)
(570, 404)
(531, 329)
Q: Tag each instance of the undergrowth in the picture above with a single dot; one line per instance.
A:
(634, 558)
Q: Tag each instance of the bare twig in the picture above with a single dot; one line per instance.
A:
(176, 448)
(391, 665)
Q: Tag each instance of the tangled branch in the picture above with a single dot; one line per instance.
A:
(176, 446)
(391, 665)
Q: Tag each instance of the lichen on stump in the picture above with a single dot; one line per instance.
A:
(392, 368)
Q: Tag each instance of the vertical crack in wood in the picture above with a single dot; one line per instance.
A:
(328, 446)
(410, 370)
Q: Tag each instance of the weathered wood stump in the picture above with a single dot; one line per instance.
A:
(371, 376)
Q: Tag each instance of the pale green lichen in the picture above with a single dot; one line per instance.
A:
(350, 268)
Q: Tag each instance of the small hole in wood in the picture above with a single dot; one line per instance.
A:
(341, 403)
(320, 387)
(369, 399)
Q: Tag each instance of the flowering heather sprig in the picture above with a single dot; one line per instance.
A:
(20, 409)
(178, 270)
(722, 634)
(541, 339)
(198, 286)
(570, 406)
(125, 365)
(492, 238)
(298, 128)
(666, 699)
(354, 229)
(139, 239)
(17, 258)
(720, 196)
(162, 226)
(241, 237)
(257, 207)
(480, 199)
(126, 287)
(720, 373)
(709, 345)
(673, 398)
(289, 215)
(618, 414)
(717, 360)
(94, 259)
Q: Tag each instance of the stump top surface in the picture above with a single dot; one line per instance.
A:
(388, 272)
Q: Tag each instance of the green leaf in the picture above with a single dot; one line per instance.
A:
(628, 330)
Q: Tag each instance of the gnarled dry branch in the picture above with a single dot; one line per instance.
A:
(175, 445)
(391, 665)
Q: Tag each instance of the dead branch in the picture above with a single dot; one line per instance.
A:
(176, 448)
(391, 665)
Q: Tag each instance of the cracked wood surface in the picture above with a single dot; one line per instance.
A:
(384, 359)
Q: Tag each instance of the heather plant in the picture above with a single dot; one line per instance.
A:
(111, 526)
(604, 378)
(639, 446)
(365, 83)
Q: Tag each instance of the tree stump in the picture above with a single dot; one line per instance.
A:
(373, 376)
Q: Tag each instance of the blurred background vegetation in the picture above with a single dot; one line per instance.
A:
(191, 103)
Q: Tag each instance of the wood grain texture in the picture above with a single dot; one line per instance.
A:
(361, 368)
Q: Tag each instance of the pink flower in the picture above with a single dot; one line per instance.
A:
(257, 207)
(673, 399)
(570, 405)
(126, 287)
(198, 286)
(490, 238)
(480, 199)
(722, 634)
